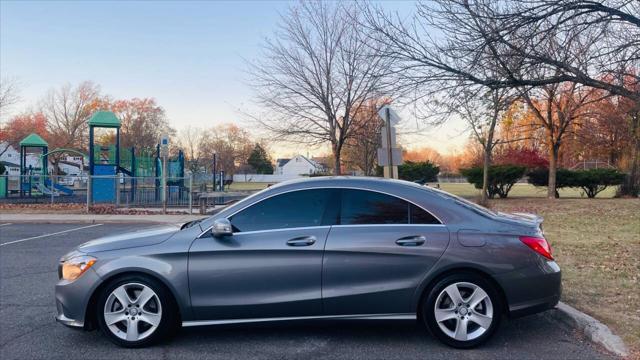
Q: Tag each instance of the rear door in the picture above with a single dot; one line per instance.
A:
(272, 264)
(378, 254)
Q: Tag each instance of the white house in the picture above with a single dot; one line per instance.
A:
(298, 165)
(10, 158)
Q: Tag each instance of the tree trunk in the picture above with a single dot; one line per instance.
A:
(553, 165)
(631, 186)
(485, 176)
(336, 159)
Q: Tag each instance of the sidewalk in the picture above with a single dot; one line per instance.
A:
(97, 218)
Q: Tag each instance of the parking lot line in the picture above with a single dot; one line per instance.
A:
(52, 234)
(1, 225)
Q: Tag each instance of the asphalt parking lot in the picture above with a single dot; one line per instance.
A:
(28, 258)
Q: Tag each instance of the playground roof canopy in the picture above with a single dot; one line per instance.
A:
(104, 119)
(34, 140)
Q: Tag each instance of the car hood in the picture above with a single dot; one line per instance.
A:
(129, 240)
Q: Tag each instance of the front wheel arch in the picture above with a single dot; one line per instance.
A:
(90, 318)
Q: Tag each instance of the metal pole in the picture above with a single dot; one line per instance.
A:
(164, 183)
(117, 190)
(190, 194)
(53, 186)
(89, 180)
(215, 156)
(389, 145)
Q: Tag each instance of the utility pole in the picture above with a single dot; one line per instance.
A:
(389, 146)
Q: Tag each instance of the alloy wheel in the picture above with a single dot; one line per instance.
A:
(463, 311)
(132, 311)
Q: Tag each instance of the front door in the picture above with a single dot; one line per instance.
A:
(272, 264)
(378, 254)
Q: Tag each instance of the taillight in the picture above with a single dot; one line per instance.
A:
(539, 245)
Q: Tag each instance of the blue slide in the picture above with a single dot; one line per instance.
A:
(63, 189)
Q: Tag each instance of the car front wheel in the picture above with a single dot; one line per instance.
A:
(462, 310)
(135, 311)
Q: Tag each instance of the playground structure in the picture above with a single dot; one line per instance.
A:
(119, 176)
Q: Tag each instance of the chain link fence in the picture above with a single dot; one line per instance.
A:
(119, 191)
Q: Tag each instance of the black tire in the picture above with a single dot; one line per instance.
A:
(429, 304)
(169, 319)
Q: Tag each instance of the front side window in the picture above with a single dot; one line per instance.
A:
(368, 207)
(289, 210)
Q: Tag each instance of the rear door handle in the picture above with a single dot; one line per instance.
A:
(411, 241)
(302, 241)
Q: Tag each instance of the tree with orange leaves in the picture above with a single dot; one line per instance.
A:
(18, 127)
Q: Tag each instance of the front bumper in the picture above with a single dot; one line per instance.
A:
(72, 298)
(532, 289)
(69, 322)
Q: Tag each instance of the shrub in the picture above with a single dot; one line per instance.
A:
(422, 171)
(593, 181)
(540, 177)
(2, 169)
(501, 178)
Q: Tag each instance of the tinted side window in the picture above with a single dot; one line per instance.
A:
(289, 210)
(419, 216)
(368, 207)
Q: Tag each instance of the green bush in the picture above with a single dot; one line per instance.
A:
(501, 178)
(422, 171)
(591, 181)
(540, 177)
(2, 169)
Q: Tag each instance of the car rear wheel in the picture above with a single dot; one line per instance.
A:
(136, 311)
(462, 310)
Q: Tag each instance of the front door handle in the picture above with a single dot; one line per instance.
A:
(411, 240)
(302, 241)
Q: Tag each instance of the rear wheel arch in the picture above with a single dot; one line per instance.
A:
(433, 280)
(91, 321)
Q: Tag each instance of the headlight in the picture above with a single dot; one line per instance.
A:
(75, 267)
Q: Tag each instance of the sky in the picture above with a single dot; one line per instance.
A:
(188, 55)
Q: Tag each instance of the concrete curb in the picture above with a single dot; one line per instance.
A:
(593, 329)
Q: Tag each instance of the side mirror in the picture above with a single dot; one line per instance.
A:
(221, 227)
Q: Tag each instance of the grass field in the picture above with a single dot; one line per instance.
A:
(466, 190)
(597, 244)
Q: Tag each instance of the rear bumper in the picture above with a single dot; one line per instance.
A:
(533, 289)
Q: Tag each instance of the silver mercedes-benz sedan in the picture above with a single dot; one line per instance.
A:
(320, 248)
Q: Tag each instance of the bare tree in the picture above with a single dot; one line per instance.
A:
(557, 107)
(8, 97)
(482, 109)
(190, 139)
(67, 111)
(599, 42)
(316, 73)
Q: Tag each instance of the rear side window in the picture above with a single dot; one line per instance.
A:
(419, 216)
(289, 210)
(369, 207)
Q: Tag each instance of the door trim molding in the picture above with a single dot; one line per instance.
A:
(400, 316)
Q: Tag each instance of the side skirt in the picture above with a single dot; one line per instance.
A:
(411, 316)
